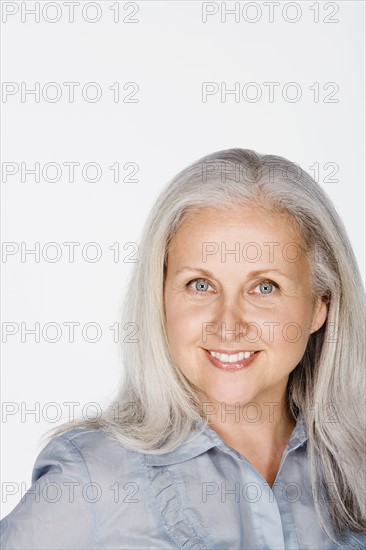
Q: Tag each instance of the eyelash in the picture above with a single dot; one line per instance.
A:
(206, 281)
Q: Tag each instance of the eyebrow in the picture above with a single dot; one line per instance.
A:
(207, 273)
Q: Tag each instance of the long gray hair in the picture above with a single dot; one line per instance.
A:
(156, 406)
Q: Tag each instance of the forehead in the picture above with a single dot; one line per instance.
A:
(260, 237)
(239, 223)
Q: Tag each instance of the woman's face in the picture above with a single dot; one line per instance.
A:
(242, 304)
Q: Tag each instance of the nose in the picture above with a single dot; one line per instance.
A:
(234, 320)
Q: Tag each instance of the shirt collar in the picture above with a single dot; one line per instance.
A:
(195, 445)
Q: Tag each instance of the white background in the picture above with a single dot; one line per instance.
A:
(169, 52)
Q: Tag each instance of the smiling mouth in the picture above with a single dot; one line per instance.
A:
(231, 357)
(231, 360)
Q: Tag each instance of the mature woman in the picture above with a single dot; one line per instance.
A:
(240, 421)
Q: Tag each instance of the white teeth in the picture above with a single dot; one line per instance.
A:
(225, 358)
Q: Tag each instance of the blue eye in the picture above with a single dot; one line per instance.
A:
(266, 286)
(200, 286)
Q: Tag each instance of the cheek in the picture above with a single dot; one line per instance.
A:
(293, 328)
(184, 322)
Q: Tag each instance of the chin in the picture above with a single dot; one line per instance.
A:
(229, 398)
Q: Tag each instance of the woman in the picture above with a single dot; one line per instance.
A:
(240, 420)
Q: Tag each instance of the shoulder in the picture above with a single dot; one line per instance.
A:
(91, 452)
(78, 482)
(356, 540)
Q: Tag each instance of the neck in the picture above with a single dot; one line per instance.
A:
(260, 432)
(272, 421)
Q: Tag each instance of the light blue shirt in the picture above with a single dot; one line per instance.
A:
(91, 492)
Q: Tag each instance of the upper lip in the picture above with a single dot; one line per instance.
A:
(231, 352)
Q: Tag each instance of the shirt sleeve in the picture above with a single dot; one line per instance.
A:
(57, 511)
